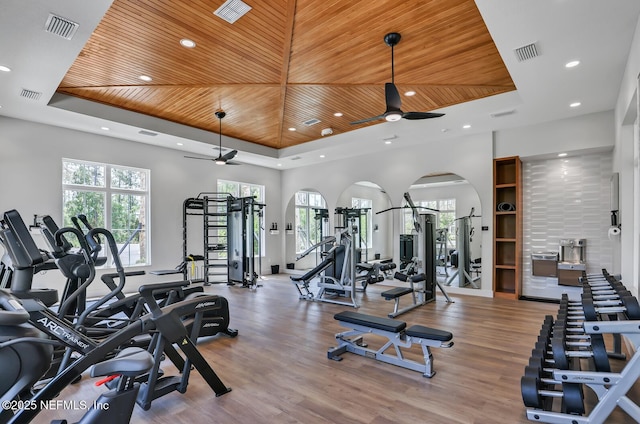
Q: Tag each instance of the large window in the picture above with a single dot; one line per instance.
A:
(307, 231)
(112, 197)
(445, 218)
(238, 189)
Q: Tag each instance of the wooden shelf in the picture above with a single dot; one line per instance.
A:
(507, 246)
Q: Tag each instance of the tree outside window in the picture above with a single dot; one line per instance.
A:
(112, 197)
(307, 226)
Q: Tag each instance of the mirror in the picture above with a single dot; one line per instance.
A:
(375, 239)
(458, 235)
(306, 223)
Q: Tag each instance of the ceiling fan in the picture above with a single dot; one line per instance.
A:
(221, 159)
(392, 97)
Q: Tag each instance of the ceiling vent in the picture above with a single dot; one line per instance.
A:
(232, 10)
(503, 113)
(149, 133)
(311, 122)
(526, 52)
(30, 94)
(60, 26)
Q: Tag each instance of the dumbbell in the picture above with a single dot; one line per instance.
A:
(563, 354)
(537, 392)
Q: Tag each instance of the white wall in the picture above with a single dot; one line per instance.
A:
(593, 132)
(566, 198)
(625, 162)
(31, 173)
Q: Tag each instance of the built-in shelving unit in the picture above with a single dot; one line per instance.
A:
(507, 224)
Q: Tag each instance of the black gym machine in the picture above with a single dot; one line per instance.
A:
(177, 323)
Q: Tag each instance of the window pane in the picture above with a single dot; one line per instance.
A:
(245, 190)
(256, 191)
(127, 226)
(302, 198)
(316, 200)
(80, 173)
(89, 203)
(129, 179)
(302, 229)
(229, 187)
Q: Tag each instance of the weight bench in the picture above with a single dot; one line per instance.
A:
(397, 292)
(398, 335)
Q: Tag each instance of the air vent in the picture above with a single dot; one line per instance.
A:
(310, 122)
(232, 10)
(296, 158)
(30, 94)
(503, 113)
(149, 133)
(60, 26)
(526, 52)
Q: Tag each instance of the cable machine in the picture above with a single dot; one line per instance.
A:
(424, 225)
(464, 233)
(346, 218)
(244, 240)
(232, 239)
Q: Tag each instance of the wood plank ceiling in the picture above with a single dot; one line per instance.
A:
(285, 62)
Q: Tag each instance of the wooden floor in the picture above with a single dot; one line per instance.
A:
(279, 371)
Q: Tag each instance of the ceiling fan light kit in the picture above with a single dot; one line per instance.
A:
(221, 159)
(392, 96)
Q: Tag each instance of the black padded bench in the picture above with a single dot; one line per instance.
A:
(398, 335)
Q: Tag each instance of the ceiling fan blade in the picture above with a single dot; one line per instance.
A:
(194, 157)
(233, 163)
(229, 155)
(421, 115)
(362, 121)
(392, 97)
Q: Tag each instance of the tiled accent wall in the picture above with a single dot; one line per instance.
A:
(565, 198)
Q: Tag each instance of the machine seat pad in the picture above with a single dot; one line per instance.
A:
(379, 323)
(422, 332)
(131, 361)
(396, 292)
(315, 271)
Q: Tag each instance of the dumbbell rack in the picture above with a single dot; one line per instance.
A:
(570, 356)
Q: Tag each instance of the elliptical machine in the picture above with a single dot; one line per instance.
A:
(26, 355)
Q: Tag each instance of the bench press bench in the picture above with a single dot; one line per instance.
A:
(398, 335)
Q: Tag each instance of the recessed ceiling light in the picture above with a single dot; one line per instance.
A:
(561, 155)
(322, 156)
(185, 42)
(387, 142)
(338, 114)
(104, 128)
(4, 69)
(410, 93)
(572, 64)
(146, 78)
(279, 164)
(292, 129)
(575, 104)
(466, 126)
(180, 144)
